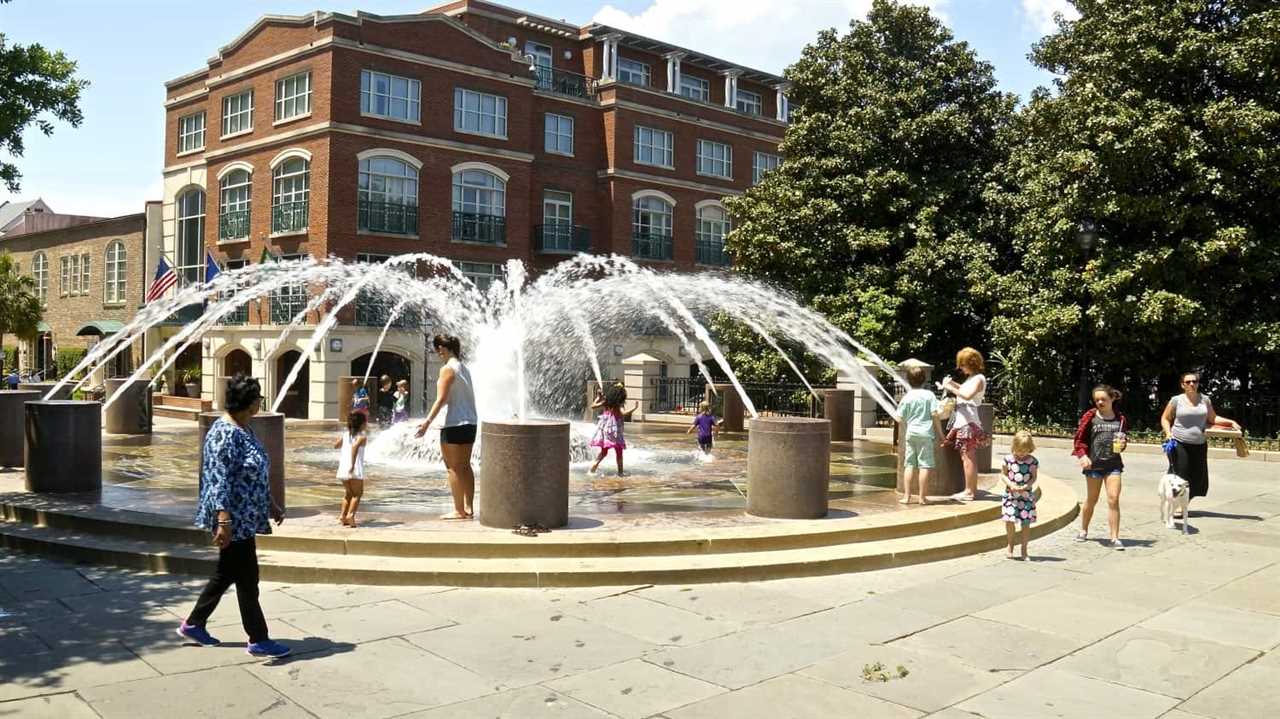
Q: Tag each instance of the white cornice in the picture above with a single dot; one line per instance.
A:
(669, 181)
(678, 117)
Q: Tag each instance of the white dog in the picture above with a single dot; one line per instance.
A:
(1174, 493)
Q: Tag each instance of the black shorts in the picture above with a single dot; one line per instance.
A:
(462, 434)
(705, 444)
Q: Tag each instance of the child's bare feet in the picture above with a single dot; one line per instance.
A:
(906, 499)
(923, 500)
(455, 515)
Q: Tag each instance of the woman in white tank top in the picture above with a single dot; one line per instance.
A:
(351, 465)
(458, 433)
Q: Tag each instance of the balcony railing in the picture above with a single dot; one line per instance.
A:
(651, 245)
(238, 316)
(474, 227)
(287, 303)
(233, 225)
(565, 83)
(389, 217)
(373, 311)
(711, 253)
(289, 216)
(561, 237)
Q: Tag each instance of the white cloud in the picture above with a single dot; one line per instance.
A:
(762, 34)
(1040, 13)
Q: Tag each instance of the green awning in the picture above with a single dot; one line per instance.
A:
(99, 328)
(43, 326)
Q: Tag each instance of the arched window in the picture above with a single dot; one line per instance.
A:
(479, 207)
(651, 228)
(388, 196)
(40, 273)
(713, 225)
(114, 285)
(290, 190)
(233, 207)
(190, 237)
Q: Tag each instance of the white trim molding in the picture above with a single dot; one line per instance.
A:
(615, 173)
(709, 203)
(638, 194)
(484, 166)
(291, 152)
(233, 166)
(389, 152)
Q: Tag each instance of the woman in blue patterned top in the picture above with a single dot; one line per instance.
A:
(235, 504)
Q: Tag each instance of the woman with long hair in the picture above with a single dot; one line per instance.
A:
(1099, 440)
(967, 434)
(456, 395)
(1185, 419)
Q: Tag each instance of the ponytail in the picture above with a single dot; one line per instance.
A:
(1112, 392)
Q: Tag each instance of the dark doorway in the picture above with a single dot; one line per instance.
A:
(43, 364)
(390, 364)
(296, 399)
(237, 362)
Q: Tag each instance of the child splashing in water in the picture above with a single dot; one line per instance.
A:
(706, 425)
(609, 434)
(351, 465)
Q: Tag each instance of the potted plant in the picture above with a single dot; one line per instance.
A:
(190, 378)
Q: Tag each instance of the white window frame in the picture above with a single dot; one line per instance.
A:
(463, 181)
(237, 114)
(557, 200)
(652, 207)
(715, 159)
(188, 216)
(554, 138)
(660, 154)
(763, 162)
(750, 103)
(629, 74)
(191, 132)
(712, 229)
(482, 274)
(64, 276)
(40, 272)
(371, 95)
(297, 102)
(695, 88)
(469, 113)
(113, 280)
(235, 196)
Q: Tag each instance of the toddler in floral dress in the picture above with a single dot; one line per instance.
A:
(1019, 507)
(609, 434)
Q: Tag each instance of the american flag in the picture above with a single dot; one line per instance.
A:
(165, 279)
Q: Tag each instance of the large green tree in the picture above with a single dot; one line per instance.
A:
(35, 84)
(1164, 129)
(875, 218)
(19, 307)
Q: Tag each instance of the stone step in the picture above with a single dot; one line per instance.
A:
(164, 410)
(1057, 507)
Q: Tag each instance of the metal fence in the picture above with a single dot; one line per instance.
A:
(781, 399)
(676, 395)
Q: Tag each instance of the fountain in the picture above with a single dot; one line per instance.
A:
(12, 421)
(63, 446)
(529, 344)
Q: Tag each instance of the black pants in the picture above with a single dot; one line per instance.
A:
(1191, 462)
(238, 565)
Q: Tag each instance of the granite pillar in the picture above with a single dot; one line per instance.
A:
(947, 476)
(524, 473)
(131, 413)
(731, 410)
(44, 387)
(837, 407)
(986, 415)
(63, 446)
(269, 428)
(788, 467)
(12, 420)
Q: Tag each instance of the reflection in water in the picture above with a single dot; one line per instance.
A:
(666, 474)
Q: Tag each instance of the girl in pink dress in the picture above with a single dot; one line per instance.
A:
(609, 433)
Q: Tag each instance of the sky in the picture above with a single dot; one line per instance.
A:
(127, 49)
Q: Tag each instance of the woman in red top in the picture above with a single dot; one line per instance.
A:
(1100, 439)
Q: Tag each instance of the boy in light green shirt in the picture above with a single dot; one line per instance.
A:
(917, 409)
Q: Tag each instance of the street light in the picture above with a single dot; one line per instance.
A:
(1086, 238)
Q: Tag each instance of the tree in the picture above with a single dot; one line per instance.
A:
(875, 218)
(33, 81)
(1162, 130)
(19, 306)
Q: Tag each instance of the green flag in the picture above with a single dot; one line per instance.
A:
(267, 256)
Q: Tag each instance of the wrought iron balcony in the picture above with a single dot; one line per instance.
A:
(561, 237)
(373, 310)
(390, 217)
(651, 245)
(711, 253)
(474, 227)
(289, 216)
(565, 83)
(233, 225)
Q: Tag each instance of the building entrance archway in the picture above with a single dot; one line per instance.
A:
(298, 397)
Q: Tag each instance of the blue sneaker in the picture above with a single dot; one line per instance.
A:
(268, 648)
(197, 635)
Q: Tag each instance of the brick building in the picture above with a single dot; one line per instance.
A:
(91, 279)
(472, 131)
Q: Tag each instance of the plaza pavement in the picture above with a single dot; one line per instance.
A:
(1173, 627)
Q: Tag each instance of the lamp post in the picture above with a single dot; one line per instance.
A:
(1086, 238)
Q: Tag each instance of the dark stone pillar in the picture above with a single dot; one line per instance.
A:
(64, 446)
(987, 415)
(130, 414)
(947, 476)
(12, 420)
(269, 427)
(731, 410)
(524, 473)
(838, 409)
(788, 467)
(44, 387)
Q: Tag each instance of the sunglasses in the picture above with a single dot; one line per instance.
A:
(1191, 381)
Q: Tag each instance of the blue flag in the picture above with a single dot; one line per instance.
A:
(211, 269)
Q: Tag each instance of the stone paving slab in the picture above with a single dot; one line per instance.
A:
(634, 689)
(1049, 693)
(1204, 620)
(213, 694)
(792, 697)
(52, 672)
(52, 706)
(1251, 692)
(1175, 665)
(992, 646)
(526, 703)
(367, 622)
(652, 622)
(1067, 614)
(741, 603)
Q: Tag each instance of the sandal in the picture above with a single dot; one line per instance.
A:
(539, 528)
(524, 530)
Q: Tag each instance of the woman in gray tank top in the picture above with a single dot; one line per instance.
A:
(458, 434)
(1184, 420)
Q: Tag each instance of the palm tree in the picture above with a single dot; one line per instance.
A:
(20, 309)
